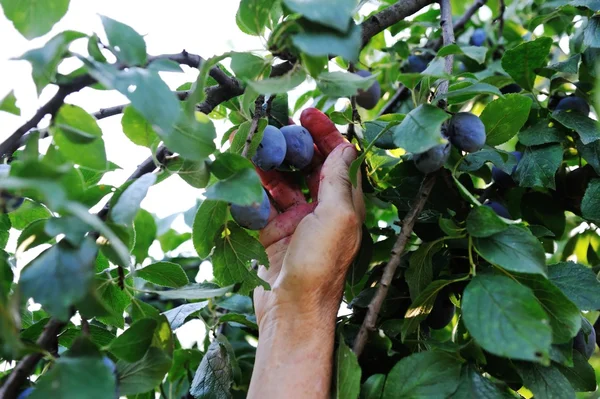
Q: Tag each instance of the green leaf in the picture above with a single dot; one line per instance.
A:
(192, 137)
(232, 259)
(591, 34)
(128, 46)
(475, 160)
(214, 376)
(196, 291)
(9, 104)
(543, 132)
(590, 205)
(239, 140)
(591, 153)
(347, 373)
(247, 65)
(586, 128)
(343, 84)
(372, 388)
(473, 52)
(242, 187)
(420, 270)
(211, 216)
(463, 91)
(33, 18)
(473, 385)
(522, 61)
(165, 274)
(421, 129)
(504, 117)
(253, 15)
(196, 174)
(44, 61)
(143, 375)
(138, 85)
(513, 243)
(483, 222)
(280, 84)
(577, 282)
(132, 345)
(570, 65)
(565, 318)
(581, 375)
(145, 233)
(322, 42)
(137, 129)
(128, 204)
(539, 165)
(545, 382)
(113, 299)
(28, 213)
(423, 375)
(73, 229)
(335, 14)
(70, 376)
(60, 277)
(178, 315)
(519, 328)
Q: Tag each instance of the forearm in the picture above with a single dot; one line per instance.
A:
(294, 358)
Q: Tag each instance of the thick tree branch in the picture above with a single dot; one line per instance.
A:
(410, 219)
(390, 16)
(25, 367)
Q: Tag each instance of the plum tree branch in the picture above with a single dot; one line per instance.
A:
(410, 219)
(500, 19)
(25, 367)
(258, 113)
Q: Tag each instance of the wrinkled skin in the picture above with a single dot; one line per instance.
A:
(502, 178)
(573, 104)
(368, 99)
(310, 247)
(583, 346)
(253, 217)
(478, 38)
(467, 132)
(433, 159)
(271, 150)
(300, 146)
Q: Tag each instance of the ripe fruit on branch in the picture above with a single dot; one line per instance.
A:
(499, 209)
(478, 37)
(418, 63)
(502, 178)
(369, 98)
(432, 159)
(466, 132)
(252, 217)
(585, 346)
(271, 150)
(574, 104)
(300, 146)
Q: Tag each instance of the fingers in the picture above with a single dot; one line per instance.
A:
(284, 225)
(335, 189)
(284, 192)
(322, 129)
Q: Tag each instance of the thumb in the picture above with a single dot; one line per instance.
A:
(335, 188)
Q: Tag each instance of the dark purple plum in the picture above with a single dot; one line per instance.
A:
(466, 132)
(300, 146)
(432, 159)
(109, 364)
(511, 88)
(575, 104)
(585, 346)
(502, 178)
(25, 393)
(252, 217)
(271, 150)
(368, 99)
(478, 37)
(418, 63)
(499, 209)
(441, 313)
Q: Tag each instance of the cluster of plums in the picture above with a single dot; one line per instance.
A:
(107, 362)
(465, 131)
(290, 146)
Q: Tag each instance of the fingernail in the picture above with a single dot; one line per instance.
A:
(349, 154)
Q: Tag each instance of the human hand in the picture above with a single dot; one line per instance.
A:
(311, 245)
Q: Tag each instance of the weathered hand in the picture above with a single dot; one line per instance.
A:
(311, 245)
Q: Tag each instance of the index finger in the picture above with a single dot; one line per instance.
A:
(322, 129)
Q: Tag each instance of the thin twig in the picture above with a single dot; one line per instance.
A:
(448, 37)
(258, 113)
(460, 24)
(391, 266)
(410, 219)
(500, 19)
